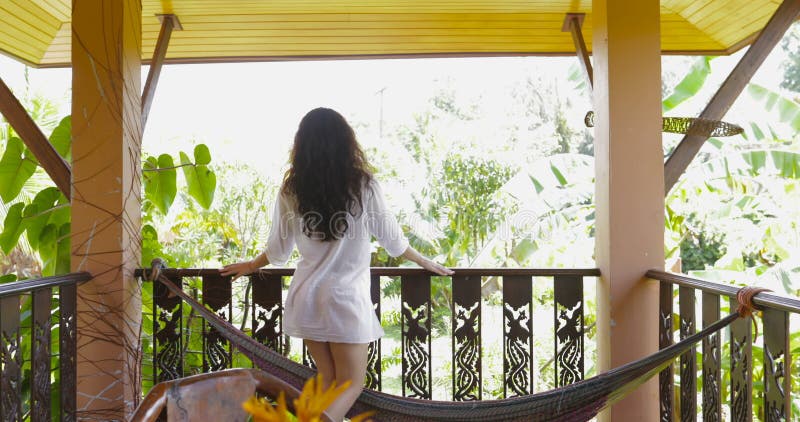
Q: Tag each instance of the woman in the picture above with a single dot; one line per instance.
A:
(329, 206)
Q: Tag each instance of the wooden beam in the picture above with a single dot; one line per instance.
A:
(42, 149)
(572, 24)
(168, 23)
(727, 93)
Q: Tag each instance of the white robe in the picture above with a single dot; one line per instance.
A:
(329, 297)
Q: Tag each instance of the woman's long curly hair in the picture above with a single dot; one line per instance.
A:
(327, 175)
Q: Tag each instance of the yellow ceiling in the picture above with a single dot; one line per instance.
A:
(38, 31)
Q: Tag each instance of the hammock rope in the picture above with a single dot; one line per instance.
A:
(576, 402)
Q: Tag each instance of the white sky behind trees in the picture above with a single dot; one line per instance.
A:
(248, 112)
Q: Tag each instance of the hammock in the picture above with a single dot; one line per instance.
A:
(576, 402)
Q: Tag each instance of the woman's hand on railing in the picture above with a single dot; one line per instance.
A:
(237, 270)
(413, 255)
(245, 267)
(435, 267)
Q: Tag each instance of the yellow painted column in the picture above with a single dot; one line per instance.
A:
(629, 190)
(106, 216)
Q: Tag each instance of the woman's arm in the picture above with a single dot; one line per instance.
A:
(245, 267)
(413, 255)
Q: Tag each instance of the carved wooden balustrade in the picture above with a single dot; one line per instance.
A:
(732, 381)
(264, 305)
(33, 315)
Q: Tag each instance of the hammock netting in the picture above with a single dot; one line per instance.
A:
(688, 126)
(580, 401)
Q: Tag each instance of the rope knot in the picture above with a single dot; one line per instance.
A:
(746, 306)
(155, 270)
(745, 298)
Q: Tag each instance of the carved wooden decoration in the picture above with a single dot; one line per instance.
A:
(415, 299)
(466, 323)
(517, 339)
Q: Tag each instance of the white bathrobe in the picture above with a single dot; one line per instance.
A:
(329, 297)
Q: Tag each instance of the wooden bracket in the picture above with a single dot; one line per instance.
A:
(35, 140)
(727, 93)
(169, 23)
(572, 24)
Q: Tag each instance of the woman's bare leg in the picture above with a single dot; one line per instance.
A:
(350, 363)
(323, 358)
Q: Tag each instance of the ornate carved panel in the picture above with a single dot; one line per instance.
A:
(688, 363)
(415, 297)
(568, 320)
(168, 332)
(665, 377)
(10, 360)
(40, 364)
(777, 405)
(741, 368)
(374, 351)
(217, 297)
(466, 323)
(267, 312)
(712, 374)
(68, 350)
(517, 339)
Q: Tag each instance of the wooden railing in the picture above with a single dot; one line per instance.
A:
(30, 318)
(262, 305)
(775, 401)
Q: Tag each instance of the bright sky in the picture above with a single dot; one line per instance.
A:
(248, 112)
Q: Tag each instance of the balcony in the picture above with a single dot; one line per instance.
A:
(717, 381)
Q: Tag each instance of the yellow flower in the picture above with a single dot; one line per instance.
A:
(313, 400)
(263, 411)
(308, 407)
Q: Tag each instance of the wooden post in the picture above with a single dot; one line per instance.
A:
(629, 190)
(106, 211)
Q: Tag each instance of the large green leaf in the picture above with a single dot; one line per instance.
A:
(16, 167)
(160, 185)
(690, 84)
(54, 249)
(13, 226)
(151, 247)
(48, 206)
(63, 250)
(200, 180)
(61, 138)
(788, 110)
(48, 249)
(562, 181)
(201, 154)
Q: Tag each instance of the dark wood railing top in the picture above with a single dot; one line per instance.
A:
(761, 299)
(24, 286)
(397, 271)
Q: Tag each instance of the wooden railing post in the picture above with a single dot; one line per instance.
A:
(466, 338)
(688, 363)
(517, 337)
(415, 301)
(665, 339)
(712, 352)
(777, 366)
(568, 321)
